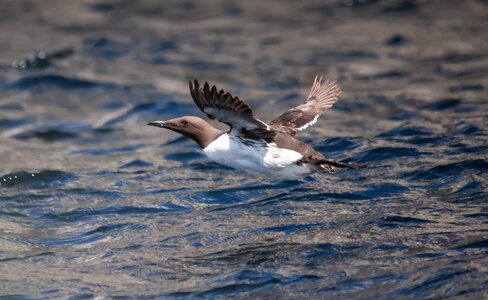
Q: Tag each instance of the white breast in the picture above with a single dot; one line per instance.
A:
(256, 157)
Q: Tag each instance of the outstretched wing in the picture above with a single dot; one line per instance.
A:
(322, 96)
(225, 108)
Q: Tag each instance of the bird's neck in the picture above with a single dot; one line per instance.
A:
(206, 136)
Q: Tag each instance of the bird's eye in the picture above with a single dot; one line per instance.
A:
(184, 122)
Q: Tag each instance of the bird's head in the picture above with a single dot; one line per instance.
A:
(195, 128)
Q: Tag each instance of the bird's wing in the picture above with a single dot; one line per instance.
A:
(322, 96)
(225, 108)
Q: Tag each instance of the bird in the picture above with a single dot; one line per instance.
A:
(264, 149)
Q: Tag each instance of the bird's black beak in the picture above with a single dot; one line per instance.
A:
(161, 124)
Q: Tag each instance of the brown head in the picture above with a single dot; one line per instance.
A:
(192, 127)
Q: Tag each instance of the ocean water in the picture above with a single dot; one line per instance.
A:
(94, 203)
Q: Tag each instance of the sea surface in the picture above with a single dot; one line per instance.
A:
(95, 203)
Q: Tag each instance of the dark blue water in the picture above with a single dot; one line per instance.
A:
(94, 203)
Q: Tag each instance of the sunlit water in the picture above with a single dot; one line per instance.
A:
(95, 203)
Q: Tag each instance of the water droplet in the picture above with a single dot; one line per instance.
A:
(42, 54)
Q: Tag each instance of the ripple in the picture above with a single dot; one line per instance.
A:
(386, 153)
(184, 157)
(385, 189)
(401, 221)
(394, 74)
(461, 74)
(241, 193)
(177, 141)
(432, 141)
(453, 169)
(403, 116)
(404, 6)
(425, 286)
(137, 163)
(443, 104)
(376, 191)
(26, 257)
(473, 191)
(337, 145)
(455, 57)
(467, 88)
(348, 55)
(396, 40)
(24, 198)
(90, 236)
(52, 80)
(250, 254)
(168, 108)
(477, 215)
(246, 281)
(293, 228)
(209, 166)
(481, 244)
(49, 135)
(105, 48)
(83, 214)
(407, 130)
(100, 194)
(111, 151)
(50, 132)
(10, 123)
(463, 149)
(11, 106)
(465, 128)
(39, 180)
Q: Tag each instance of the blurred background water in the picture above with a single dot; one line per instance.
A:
(95, 203)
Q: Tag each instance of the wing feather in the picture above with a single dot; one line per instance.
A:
(224, 107)
(322, 96)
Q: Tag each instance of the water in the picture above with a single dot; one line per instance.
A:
(94, 203)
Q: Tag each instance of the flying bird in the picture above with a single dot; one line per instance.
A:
(264, 149)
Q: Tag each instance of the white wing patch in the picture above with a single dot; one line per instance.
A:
(309, 123)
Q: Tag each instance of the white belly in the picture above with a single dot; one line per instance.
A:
(261, 160)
